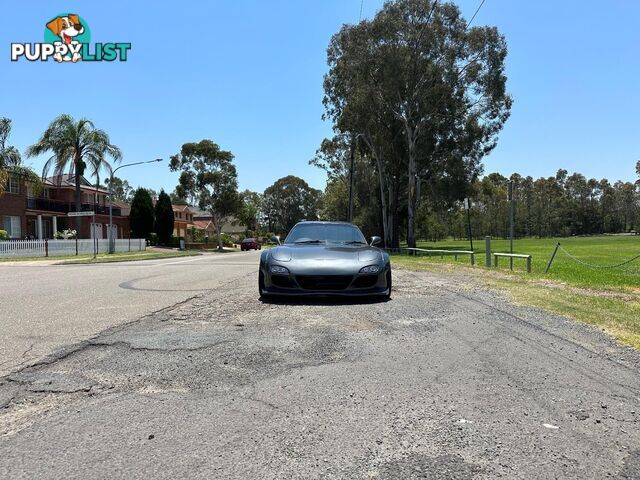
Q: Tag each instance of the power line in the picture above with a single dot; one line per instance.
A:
(474, 15)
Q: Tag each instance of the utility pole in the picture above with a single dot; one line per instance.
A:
(110, 236)
(511, 202)
(351, 162)
(467, 207)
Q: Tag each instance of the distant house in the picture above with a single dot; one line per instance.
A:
(182, 221)
(233, 227)
(206, 226)
(27, 214)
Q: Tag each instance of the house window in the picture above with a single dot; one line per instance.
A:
(13, 185)
(12, 226)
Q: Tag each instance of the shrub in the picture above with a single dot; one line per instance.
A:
(68, 234)
(141, 217)
(164, 218)
(4, 235)
(227, 240)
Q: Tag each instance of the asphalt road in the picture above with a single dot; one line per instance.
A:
(47, 307)
(445, 381)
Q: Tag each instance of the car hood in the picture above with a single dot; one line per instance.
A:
(347, 253)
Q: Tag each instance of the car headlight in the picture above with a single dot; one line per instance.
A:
(370, 269)
(278, 269)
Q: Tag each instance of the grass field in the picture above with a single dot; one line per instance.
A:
(600, 250)
(606, 298)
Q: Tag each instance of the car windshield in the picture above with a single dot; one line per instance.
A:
(325, 233)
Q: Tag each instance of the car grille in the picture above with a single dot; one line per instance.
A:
(281, 281)
(366, 281)
(324, 282)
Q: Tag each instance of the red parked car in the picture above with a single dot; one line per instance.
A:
(250, 244)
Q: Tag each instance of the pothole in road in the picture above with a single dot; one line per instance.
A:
(419, 466)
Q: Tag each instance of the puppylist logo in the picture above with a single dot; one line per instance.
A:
(67, 38)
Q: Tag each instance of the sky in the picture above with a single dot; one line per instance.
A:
(248, 75)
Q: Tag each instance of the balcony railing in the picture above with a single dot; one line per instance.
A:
(58, 206)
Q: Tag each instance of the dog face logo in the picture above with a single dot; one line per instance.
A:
(66, 29)
(67, 39)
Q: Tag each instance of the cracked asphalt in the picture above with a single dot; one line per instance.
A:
(445, 381)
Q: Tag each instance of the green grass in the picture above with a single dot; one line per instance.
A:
(598, 250)
(608, 299)
(127, 257)
(104, 257)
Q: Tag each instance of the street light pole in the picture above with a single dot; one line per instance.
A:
(111, 249)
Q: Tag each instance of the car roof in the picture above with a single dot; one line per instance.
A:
(321, 222)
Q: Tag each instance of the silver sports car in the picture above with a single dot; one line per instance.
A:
(325, 258)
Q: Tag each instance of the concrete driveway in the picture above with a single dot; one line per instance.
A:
(445, 381)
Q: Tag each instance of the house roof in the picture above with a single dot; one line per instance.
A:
(200, 213)
(181, 208)
(202, 224)
(69, 181)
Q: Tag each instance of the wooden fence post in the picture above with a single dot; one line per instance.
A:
(487, 247)
(553, 255)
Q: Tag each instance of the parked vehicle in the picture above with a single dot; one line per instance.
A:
(250, 244)
(325, 258)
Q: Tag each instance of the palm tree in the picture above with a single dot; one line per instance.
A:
(75, 145)
(97, 165)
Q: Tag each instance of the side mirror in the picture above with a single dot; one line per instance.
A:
(375, 241)
(276, 239)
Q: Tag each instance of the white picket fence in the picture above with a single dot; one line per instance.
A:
(54, 248)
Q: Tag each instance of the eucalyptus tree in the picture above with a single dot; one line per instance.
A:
(417, 73)
(289, 200)
(207, 174)
(9, 155)
(75, 145)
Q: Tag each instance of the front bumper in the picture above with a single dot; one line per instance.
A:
(326, 284)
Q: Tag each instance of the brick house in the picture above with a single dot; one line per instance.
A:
(182, 221)
(24, 214)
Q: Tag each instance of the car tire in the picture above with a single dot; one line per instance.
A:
(389, 283)
(261, 284)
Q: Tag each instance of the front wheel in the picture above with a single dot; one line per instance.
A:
(389, 282)
(261, 284)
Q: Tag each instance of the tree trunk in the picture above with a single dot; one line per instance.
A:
(412, 197)
(383, 200)
(78, 197)
(382, 181)
(219, 234)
